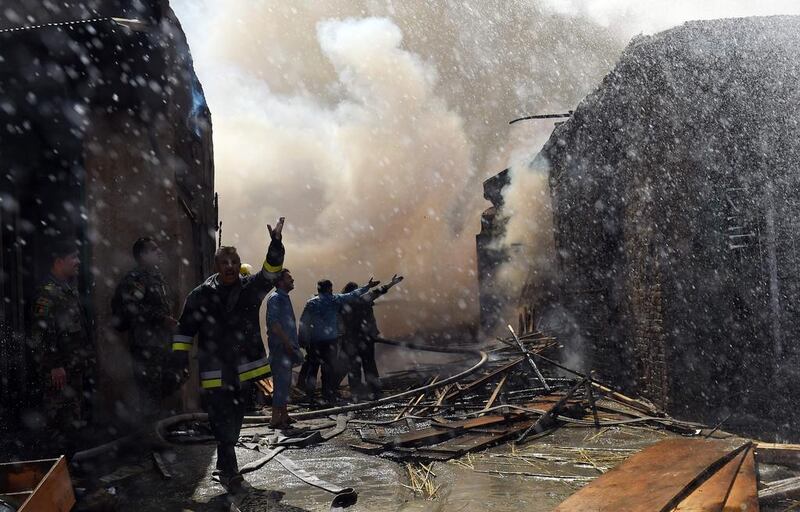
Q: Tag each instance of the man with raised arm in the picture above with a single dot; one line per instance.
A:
(222, 314)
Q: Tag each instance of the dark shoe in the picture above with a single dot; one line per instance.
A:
(235, 484)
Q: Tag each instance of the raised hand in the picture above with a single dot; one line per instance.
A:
(58, 378)
(372, 283)
(396, 279)
(277, 233)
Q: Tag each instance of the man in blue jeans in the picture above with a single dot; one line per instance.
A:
(284, 349)
(319, 334)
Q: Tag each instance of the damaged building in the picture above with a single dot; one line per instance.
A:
(106, 138)
(675, 211)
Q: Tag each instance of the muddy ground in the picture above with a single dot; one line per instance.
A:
(534, 477)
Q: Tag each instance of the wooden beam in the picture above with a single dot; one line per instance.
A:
(441, 431)
(774, 453)
(785, 489)
(496, 392)
(483, 380)
(744, 493)
(592, 404)
(712, 494)
(546, 420)
(657, 478)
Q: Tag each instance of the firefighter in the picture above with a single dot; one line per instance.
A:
(223, 313)
(63, 349)
(358, 340)
(141, 306)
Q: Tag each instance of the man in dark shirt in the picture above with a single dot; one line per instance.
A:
(319, 334)
(358, 340)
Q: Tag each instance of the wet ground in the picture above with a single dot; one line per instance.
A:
(534, 477)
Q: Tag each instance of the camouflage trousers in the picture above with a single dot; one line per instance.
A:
(64, 410)
(148, 374)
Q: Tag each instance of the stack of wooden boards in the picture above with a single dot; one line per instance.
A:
(697, 475)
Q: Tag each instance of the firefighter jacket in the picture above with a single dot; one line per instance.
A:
(225, 322)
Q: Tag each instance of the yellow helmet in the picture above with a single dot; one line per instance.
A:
(246, 269)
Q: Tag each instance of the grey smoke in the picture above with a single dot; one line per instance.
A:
(371, 124)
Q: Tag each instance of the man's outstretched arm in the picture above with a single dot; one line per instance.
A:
(273, 262)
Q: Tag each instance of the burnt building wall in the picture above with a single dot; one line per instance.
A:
(675, 215)
(490, 252)
(106, 138)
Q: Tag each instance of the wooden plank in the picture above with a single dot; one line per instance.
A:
(655, 479)
(547, 419)
(788, 488)
(712, 494)
(24, 475)
(483, 380)
(773, 453)
(476, 442)
(54, 493)
(744, 493)
(369, 449)
(441, 431)
(496, 392)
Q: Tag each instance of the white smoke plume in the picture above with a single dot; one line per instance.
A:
(370, 125)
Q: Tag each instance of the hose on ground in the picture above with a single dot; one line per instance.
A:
(162, 426)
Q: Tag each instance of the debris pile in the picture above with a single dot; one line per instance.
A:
(507, 400)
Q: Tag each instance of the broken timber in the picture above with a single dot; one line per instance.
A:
(657, 478)
(530, 360)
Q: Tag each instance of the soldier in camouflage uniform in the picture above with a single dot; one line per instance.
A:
(62, 346)
(141, 306)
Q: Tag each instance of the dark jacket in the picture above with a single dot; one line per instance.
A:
(320, 318)
(225, 320)
(358, 317)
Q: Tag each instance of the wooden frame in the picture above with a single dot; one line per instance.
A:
(37, 485)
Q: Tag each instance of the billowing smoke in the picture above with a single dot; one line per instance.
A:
(529, 237)
(371, 124)
(370, 127)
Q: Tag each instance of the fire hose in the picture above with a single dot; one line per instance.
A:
(162, 426)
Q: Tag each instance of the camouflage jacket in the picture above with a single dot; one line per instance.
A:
(59, 333)
(145, 304)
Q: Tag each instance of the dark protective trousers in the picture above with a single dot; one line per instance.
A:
(148, 373)
(225, 407)
(321, 354)
(361, 353)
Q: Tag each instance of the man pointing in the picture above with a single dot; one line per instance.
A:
(223, 315)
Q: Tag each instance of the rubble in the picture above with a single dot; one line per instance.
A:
(496, 422)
